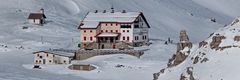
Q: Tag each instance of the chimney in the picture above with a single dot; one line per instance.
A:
(96, 11)
(42, 10)
(104, 11)
(112, 10)
(124, 11)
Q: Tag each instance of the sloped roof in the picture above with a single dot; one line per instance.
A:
(36, 16)
(66, 53)
(92, 19)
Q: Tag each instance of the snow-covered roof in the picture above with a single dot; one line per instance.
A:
(108, 34)
(36, 16)
(66, 53)
(93, 19)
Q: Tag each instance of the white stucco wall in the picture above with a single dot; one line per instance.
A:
(60, 60)
(37, 21)
(50, 59)
(141, 31)
(127, 34)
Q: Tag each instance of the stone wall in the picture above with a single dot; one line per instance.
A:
(85, 54)
(82, 67)
(95, 45)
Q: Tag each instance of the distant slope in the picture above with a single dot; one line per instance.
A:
(167, 17)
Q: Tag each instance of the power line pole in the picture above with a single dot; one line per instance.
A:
(42, 39)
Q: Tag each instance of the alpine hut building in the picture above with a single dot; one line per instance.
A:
(37, 18)
(110, 30)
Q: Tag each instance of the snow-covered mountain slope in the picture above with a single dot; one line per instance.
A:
(166, 17)
(212, 60)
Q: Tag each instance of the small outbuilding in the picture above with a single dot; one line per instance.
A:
(37, 18)
(54, 56)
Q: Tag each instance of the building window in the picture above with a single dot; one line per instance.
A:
(116, 24)
(84, 31)
(111, 24)
(123, 30)
(123, 37)
(56, 61)
(136, 37)
(128, 38)
(90, 31)
(85, 38)
(40, 61)
(125, 26)
(36, 61)
(91, 38)
(106, 24)
(50, 61)
(64, 61)
(106, 30)
(116, 31)
(53, 55)
(143, 37)
(136, 26)
(111, 30)
(38, 55)
(127, 30)
(101, 30)
(84, 45)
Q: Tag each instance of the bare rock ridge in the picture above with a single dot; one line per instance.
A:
(216, 41)
(183, 50)
(188, 75)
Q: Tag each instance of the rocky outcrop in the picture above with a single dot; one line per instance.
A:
(188, 75)
(183, 50)
(237, 38)
(201, 57)
(156, 75)
(202, 44)
(216, 41)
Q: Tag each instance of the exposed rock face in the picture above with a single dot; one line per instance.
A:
(237, 38)
(181, 53)
(188, 75)
(216, 41)
(196, 59)
(155, 76)
(202, 44)
(183, 36)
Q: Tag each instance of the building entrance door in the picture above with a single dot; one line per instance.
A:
(114, 46)
(102, 46)
(44, 61)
